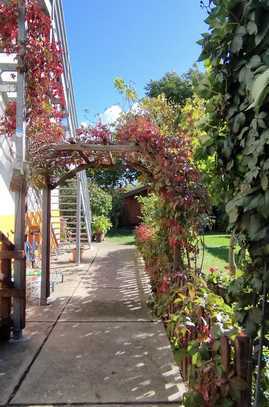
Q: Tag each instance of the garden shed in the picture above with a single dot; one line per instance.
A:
(131, 212)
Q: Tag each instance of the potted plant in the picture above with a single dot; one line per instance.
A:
(100, 226)
(73, 256)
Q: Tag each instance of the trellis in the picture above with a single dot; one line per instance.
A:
(50, 182)
(165, 161)
(58, 163)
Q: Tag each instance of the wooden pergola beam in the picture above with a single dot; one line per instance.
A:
(84, 147)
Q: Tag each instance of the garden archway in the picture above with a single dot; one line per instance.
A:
(165, 163)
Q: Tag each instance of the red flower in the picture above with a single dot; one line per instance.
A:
(143, 233)
(164, 287)
(213, 269)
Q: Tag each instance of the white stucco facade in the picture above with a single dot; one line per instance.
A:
(6, 168)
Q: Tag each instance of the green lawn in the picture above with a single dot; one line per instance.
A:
(216, 251)
(216, 247)
(121, 236)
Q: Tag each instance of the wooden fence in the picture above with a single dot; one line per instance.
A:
(7, 289)
(236, 365)
(236, 356)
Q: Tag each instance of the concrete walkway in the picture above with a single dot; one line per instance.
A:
(95, 344)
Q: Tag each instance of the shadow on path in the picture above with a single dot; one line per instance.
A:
(105, 345)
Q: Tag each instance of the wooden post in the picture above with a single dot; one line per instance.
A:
(20, 193)
(243, 352)
(261, 343)
(19, 264)
(78, 219)
(45, 254)
(5, 303)
(225, 351)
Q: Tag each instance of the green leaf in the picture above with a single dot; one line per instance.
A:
(251, 175)
(260, 89)
(254, 226)
(266, 199)
(237, 44)
(251, 147)
(242, 132)
(264, 182)
(261, 234)
(263, 30)
(233, 109)
(265, 137)
(255, 61)
(261, 69)
(240, 30)
(197, 359)
(238, 122)
(265, 58)
(266, 164)
(246, 76)
(252, 28)
(254, 202)
(233, 215)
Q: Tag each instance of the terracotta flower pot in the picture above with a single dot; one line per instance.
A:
(73, 256)
(99, 237)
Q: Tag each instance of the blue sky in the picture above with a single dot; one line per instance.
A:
(138, 40)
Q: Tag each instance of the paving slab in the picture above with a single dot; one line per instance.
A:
(57, 302)
(170, 404)
(103, 363)
(61, 294)
(114, 293)
(106, 305)
(105, 347)
(15, 358)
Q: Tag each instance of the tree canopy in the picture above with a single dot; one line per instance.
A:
(117, 176)
(176, 88)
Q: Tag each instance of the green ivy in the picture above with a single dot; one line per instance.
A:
(236, 51)
(236, 54)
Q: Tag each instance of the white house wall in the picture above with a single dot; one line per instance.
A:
(54, 8)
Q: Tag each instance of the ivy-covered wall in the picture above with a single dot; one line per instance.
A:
(236, 52)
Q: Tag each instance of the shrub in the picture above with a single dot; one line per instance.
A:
(117, 198)
(101, 224)
(101, 201)
(150, 209)
(143, 233)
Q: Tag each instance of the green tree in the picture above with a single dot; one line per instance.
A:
(176, 88)
(116, 176)
(101, 201)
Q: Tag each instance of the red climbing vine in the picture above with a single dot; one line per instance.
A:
(42, 63)
(165, 163)
(195, 317)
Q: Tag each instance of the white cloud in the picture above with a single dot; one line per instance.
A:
(84, 124)
(111, 114)
(136, 109)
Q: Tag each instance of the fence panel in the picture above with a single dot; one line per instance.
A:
(7, 290)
